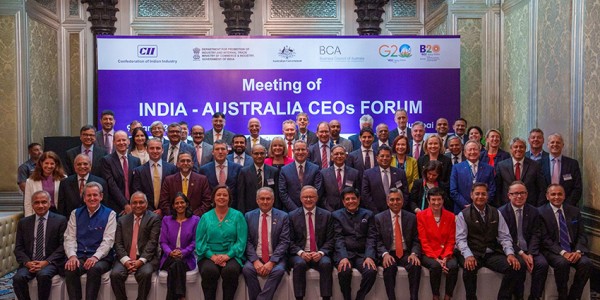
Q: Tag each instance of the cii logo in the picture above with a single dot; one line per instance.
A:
(147, 51)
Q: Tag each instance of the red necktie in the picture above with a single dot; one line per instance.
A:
(290, 153)
(398, 241)
(311, 233)
(324, 162)
(518, 171)
(417, 151)
(134, 239)
(81, 185)
(221, 175)
(339, 179)
(126, 175)
(264, 239)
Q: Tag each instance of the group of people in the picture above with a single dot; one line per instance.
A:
(228, 204)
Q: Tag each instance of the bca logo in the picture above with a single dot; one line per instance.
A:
(147, 51)
(329, 50)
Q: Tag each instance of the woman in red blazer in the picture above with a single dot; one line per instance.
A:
(437, 229)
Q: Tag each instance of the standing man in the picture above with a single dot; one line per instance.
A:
(416, 143)
(483, 240)
(220, 171)
(136, 247)
(202, 148)
(294, 176)
(39, 248)
(175, 145)
(239, 155)
(335, 128)
(87, 135)
(401, 119)
(455, 150)
(148, 178)
(312, 243)
(355, 244)
(563, 170)
(398, 244)
(185, 130)
(460, 129)
(378, 181)
(104, 137)
(117, 170)
(319, 153)
(218, 132)
(363, 157)
(71, 188)
(268, 243)
(303, 133)
(441, 127)
(336, 178)
(364, 122)
(25, 169)
(254, 177)
(254, 138)
(536, 145)
(564, 243)
(89, 239)
(157, 129)
(383, 134)
(288, 127)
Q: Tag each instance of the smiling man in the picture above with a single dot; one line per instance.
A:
(71, 188)
(87, 137)
(294, 176)
(563, 170)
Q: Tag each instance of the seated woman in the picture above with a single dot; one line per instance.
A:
(177, 242)
(401, 160)
(220, 245)
(46, 176)
(430, 179)
(437, 229)
(278, 154)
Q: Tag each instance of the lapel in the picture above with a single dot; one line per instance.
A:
(117, 165)
(569, 220)
(302, 217)
(404, 226)
(274, 228)
(546, 168)
(553, 222)
(525, 168)
(378, 176)
(387, 222)
(31, 225)
(526, 212)
(128, 231)
(254, 222)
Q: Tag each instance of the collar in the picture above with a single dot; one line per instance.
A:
(558, 157)
(262, 167)
(394, 215)
(363, 149)
(45, 216)
(91, 213)
(515, 208)
(300, 164)
(225, 164)
(186, 177)
(518, 161)
(85, 178)
(111, 132)
(321, 144)
(555, 209)
(269, 213)
(159, 162)
(306, 211)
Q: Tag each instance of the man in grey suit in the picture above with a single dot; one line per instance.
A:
(136, 247)
(175, 145)
(202, 148)
(254, 138)
(335, 128)
(558, 168)
(104, 137)
(87, 135)
(218, 132)
(267, 245)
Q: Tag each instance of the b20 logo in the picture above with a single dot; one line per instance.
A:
(428, 49)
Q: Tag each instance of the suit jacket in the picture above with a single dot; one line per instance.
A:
(346, 143)
(395, 133)
(385, 232)
(450, 156)
(549, 233)
(461, 181)
(226, 135)
(570, 177)
(112, 172)
(311, 137)
(544, 154)
(446, 166)
(376, 145)
(417, 193)
(206, 155)
(100, 140)
(330, 194)
(355, 234)
(55, 229)
(314, 154)
(147, 240)
(324, 234)
(290, 185)
(373, 195)
(199, 193)
(355, 140)
(500, 156)
(356, 160)
(247, 187)
(530, 221)
(531, 175)
(183, 148)
(233, 170)
(143, 181)
(437, 241)
(97, 154)
(32, 186)
(69, 196)
(280, 235)
(410, 148)
(248, 161)
(266, 143)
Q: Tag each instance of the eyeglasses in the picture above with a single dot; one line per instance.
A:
(518, 193)
(259, 153)
(197, 133)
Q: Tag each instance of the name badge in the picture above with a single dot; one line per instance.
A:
(349, 182)
(567, 177)
(398, 184)
(270, 181)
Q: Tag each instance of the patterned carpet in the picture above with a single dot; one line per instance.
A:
(6, 290)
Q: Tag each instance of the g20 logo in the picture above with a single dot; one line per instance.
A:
(403, 51)
(428, 49)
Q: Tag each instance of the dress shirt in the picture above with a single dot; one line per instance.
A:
(389, 175)
(126, 258)
(215, 135)
(393, 215)
(514, 208)
(218, 169)
(504, 238)
(382, 143)
(520, 166)
(552, 164)
(555, 210)
(111, 135)
(328, 149)
(371, 155)
(298, 168)
(158, 167)
(402, 131)
(459, 157)
(535, 157)
(269, 223)
(121, 156)
(108, 237)
(90, 154)
(85, 178)
(262, 173)
(307, 243)
(239, 159)
(37, 222)
(335, 169)
(174, 150)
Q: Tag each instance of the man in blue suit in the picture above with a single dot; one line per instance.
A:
(377, 181)
(319, 153)
(468, 172)
(239, 155)
(294, 176)
(254, 177)
(567, 170)
(364, 122)
(363, 157)
(311, 243)
(218, 132)
(175, 145)
(220, 171)
(148, 177)
(336, 178)
(536, 145)
(267, 246)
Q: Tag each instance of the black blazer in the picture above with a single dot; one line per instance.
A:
(385, 232)
(415, 199)
(98, 153)
(330, 198)
(68, 193)
(549, 233)
(355, 235)
(530, 220)
(531, 175)
(325, 236)
(147, 237)
(446, 166)
(112, 172)
(570, 177)
(55, 230)
(247, 187)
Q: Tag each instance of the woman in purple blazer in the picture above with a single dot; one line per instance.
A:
(178, 242)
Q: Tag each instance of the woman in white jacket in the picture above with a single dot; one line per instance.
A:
(46, 176)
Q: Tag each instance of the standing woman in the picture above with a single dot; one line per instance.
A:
(177, 240)
(475, 134)
(138, 147)
(437, 229)
(46, 176)
(220, 245)
(434, 150)
(492, 153)
(401, 160)
(278, 155)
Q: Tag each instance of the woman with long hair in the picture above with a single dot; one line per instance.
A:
(46, 176)
(278, 155)
(138, 146)
(434, 150)
(401, 160)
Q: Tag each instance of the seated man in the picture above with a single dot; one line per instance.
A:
(89, 239)
(39, 248)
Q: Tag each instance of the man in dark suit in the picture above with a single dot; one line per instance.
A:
(239, 155)
(312, 243)
(401, 119)
(117, 170)
(364, 122)
(39, 248)
(417, 142)
(175, 145)
(335, 128)
(536, 145)
(565, 247)
(455, 150)
(522, 220)
(557, 168)
(520, 168)
(378, 181)
(355, 242)
(87, 135)
(267, 246)
(148, 178)
(251, 179)
(336, 178)
(195, 186)
(319, 153)
(296, 175)
(136, 248)
(383, 134)
(202, 148)
(254, 138)
(466, 173)
(363, 157)
(398, 244)
(218, 132)
(303, 133)
(220, 171)
(70, 189)
(288, 128)
(460, 129)
(104, 137)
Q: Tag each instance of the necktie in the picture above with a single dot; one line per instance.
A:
(303, 137)
(199, 152)
(311, 232)
(259, 179)
(107, 142)
(184, 186)
(126, 176)
(386, 182)
(254, 140)
(339, 179)
(156, 185)
(417, 151)
(455, 160)
(134, 239)
(398, 240)
(324, 161)
(172, 154)
(264, 239)
(238, 160)
(482, 214)
(301, 173)
(522, 242)
(555, 171)
(367, 159)
(81, 185)
(290, 152)
(564, 232)
(39, 240)
(86, 152)
(222, 175)
(402, 132)
(218, 136)
(474, 172)
(518, 171)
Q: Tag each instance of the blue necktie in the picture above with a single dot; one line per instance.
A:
(564, 232)
(39, 240)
